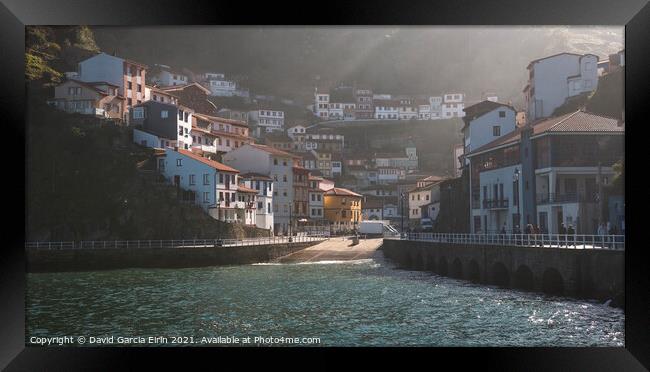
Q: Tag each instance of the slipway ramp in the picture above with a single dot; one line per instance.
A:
(335, 249)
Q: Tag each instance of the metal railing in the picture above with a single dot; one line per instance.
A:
(572, 197)
(495, 203)
(185, 243)
(615, 242)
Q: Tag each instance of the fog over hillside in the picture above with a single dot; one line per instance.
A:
(289, 61)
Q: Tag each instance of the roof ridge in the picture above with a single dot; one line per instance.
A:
(563, 120)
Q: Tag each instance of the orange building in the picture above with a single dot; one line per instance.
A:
(342, 209)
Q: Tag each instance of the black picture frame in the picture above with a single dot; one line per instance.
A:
(15, 14)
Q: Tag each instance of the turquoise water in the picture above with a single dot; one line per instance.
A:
(359, 303)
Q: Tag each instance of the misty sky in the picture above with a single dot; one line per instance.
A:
(289, 61)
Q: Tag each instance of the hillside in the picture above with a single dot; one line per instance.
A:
(434, 139)
(88, 181)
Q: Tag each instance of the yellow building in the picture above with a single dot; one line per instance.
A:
(342, 209)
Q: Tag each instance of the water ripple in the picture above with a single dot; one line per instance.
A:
(366, 302)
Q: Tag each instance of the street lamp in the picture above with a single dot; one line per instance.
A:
(515, 178)
(290, 220)
(452, 215)
(402, 213)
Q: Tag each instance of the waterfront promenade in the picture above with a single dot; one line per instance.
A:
(111, 255)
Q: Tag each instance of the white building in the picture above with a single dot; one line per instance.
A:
(453, 105)
(267, 120)
(208, 183)
(128, 75)
(316, 199)
(553, 79)
(386, 109)
(408, 110)
(485, 122)
(424, 202)
(220, 86)
(274, 163)
(165, 76)
(321, 105)
(424, 111)
(263, 185)
(436, 107)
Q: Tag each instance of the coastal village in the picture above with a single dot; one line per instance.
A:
(258, 166)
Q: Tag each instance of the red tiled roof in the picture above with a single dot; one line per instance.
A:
(87, 85)
(198, 129)
(241, 188)
(576, 122)
(255, 176)
(579, 121)
(483, 107)
(221, 120)
(341, 192)
(271, 150)
(214, 164)
(181, 87)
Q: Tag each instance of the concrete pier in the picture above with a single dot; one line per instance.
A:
(593, 273)
(54, 260)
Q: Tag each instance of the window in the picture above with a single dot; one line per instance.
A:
(164, 114)
(502, 114)
(129, 85)
(206, 196)
(496, 130)
(129, 102)
(179, 162)
(138, 113)
(192, 179)
(206, 179)
(139, 87)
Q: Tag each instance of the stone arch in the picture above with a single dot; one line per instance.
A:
(552, 282)
(473, 272)
(442, 266)
(523, 278)
(456, 269)
(500, 275)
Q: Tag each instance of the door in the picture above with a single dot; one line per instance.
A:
(560, 218)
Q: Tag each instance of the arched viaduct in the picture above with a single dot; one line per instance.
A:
(582, 273)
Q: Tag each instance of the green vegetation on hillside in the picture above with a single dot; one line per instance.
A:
(84, 183)
(51, 51)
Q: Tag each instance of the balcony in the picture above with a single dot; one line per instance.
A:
(555, 198)
(495, 203)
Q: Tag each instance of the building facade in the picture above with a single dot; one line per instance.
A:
(342, 209)
(553, 79)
